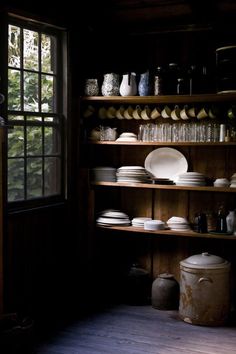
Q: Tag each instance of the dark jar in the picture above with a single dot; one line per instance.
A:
(137, 286)
(165, 292)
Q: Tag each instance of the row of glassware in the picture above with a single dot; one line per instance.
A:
(174, 132)
(185, 132)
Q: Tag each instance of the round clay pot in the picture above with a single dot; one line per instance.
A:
(165, 292)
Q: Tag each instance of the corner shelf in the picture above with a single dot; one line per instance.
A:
(159, 143)
(161, 186)
(159, 233)
(165, 99)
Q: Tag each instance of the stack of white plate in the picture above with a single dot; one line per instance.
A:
(132, 174)
(127, 136)
(221, 182)
(139, 221)
(191, 179)
(177, 223)
(105, 174)
(233, 181)
(154, 225)
(113, 217)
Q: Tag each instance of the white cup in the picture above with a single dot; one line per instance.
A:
(203, 113)
(111, 112)
(166, 112)
(137, 112)
(155, 113)
(184, 113)
(120, 112)
(128, 113)
(146, 113)
(175, 114)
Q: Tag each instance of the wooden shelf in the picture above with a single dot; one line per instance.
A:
(165, 143)
(167, 187)
(190, 233)
(165, 99)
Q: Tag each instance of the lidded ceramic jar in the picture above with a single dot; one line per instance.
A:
(204, 289)
(111, 84)
(165, 292)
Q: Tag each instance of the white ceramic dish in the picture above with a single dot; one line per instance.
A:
(166, 162)
(154, 225)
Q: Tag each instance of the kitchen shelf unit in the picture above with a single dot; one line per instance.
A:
(190, 148)
(214, 159)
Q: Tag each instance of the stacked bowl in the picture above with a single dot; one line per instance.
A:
(177, 223)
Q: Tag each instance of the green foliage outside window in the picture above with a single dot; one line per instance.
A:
(32, 170)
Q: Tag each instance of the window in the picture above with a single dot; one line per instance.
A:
(35, 112)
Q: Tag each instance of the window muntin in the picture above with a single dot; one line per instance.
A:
(35, 159)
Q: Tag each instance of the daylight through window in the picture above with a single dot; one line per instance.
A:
(35, 113)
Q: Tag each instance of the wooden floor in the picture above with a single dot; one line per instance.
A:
(138, 330)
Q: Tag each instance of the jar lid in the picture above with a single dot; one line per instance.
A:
(204, 260)
(166, 276)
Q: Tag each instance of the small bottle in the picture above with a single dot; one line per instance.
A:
(180, 86)
(221, 225)
(201, 223)
(158, 81)
(172, 76)
(222, 132)
(230, 221)
(193, 80)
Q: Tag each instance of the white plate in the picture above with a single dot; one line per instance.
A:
(166, 162)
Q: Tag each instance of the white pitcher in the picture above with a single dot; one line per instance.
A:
(128, 86)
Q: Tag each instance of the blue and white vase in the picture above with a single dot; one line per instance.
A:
(144, 84)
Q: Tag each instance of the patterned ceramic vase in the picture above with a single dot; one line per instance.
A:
(91, 87)
(110, 85)
(144, 85)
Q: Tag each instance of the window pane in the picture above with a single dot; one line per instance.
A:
(34, 118)
(34, 178)
(15, 179)
(14, 92)
(51, 119)
(31, 50)
(16, 142)
(48, 97)
(47, 57)
(14, 49)
(34, 143)
(51, 140)
(11, 118)
(34, 140)
(31, 98)
(52, 173)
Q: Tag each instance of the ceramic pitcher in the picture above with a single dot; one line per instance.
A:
(144, 84)
(110, 85)
(128, 86)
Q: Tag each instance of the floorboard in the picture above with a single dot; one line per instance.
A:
(127, 329)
